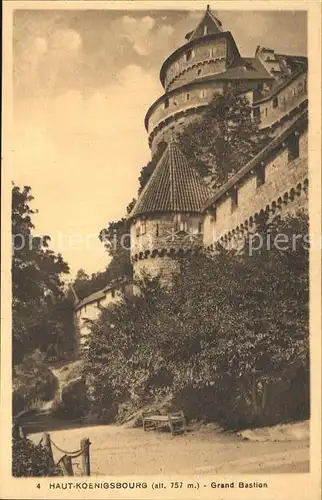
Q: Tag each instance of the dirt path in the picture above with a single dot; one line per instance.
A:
(123, 451)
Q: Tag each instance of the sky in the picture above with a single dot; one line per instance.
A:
(83, 81)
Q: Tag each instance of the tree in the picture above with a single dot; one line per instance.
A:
(224, 139)
(226, 340)
(148, 169)
(41, 315)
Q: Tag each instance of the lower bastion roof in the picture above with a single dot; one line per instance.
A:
(174, 186)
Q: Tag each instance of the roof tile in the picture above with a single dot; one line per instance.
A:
(174, 186)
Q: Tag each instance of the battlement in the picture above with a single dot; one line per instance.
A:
(273, 183)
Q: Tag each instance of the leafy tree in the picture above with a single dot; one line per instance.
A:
(224, 139)
(232, 331)
(117, 240)
(148, 169)
(41, 315)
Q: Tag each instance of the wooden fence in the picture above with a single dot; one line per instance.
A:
(65, 463)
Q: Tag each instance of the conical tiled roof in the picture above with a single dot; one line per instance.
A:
(208, 22)
(174, 186)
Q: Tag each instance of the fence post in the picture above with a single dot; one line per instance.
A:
(47, 446)
(85, 443)
(67, 466)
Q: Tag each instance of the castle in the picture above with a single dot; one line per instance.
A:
(177, 213)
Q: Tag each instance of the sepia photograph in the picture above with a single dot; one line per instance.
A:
(161, 246)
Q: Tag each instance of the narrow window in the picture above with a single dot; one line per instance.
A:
(265, 111)
(166, 102)
(157, 230)
(203, 93)
(293, 147)
(200, 227)
(113, 293)
(137, 230)
(187, 97)
(260, 176)
(205, 30)
(256, 112)
(143, 227)
(234, 199)
(188, 55)
(275, 102)
(199, 72)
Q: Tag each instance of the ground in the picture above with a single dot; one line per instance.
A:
(119, 450)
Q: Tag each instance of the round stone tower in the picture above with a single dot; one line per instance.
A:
(189, 77)
(166, 221)
(205, 66)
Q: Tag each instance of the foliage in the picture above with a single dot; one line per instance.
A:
(233, 327)
(73, 402)
(29, 459)
(33, 383)
(148, 169)
(42, 316)
(224, 139)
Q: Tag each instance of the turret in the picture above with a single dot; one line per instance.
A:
(206, 65)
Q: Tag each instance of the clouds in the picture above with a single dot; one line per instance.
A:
(143, 33)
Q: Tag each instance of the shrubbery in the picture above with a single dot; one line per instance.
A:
(33, 383)
(226, 342)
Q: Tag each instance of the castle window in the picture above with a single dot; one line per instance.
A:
(200, 227)
(137, 231)
(275, 102)
(199, 72)
(293, 147)
(305, 86)
(234, 199)
(187, 97)
(143, 227)
(203, 93)
(260, 176)
(180, 223)
(211, 52)
(113, 293)
(265, 111)
(256, 112)
(166, 103)
(157, 230)
(188, 55)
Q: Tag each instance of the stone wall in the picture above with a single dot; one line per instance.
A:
(163, 267)
(200, 51)
(284, 191)
(278, 105)
(181, 100)
(197, 70)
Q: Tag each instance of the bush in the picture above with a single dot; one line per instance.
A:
(29, 459)
(228, 339)
(33, 383)
(73, 402)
